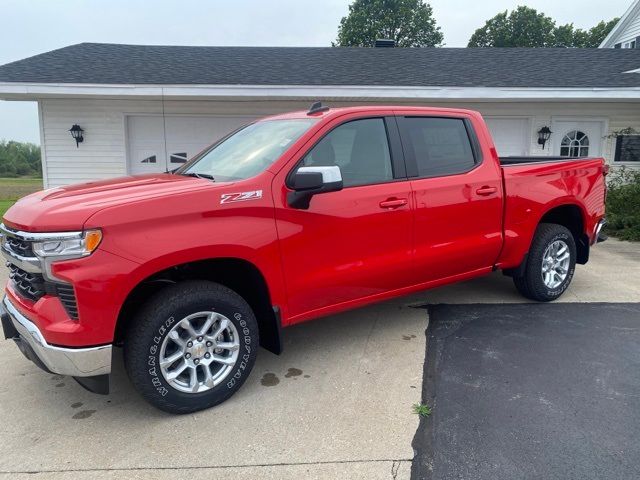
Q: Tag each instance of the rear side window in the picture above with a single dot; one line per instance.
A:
(361, 150)
(440, 146)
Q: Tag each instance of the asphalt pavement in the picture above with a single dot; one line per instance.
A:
(531, 391)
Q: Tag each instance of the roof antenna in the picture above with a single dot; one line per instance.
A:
(317, 107)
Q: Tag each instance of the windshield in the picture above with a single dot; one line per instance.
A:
(249, 151)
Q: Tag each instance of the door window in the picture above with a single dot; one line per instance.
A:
(360, 148)
(440, 146)
(574, 144)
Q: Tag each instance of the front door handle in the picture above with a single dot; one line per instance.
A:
(486, 190)
(392, 203)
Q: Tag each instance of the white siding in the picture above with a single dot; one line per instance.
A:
(631, 31)
(103, 152)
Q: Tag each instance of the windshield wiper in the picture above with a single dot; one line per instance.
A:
(199, 175)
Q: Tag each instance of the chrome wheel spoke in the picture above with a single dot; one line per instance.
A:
(208, 378)
(231, 346)
(224, 360)
(208, 322)
(224, 324)
(186, 324)
(177, 339)
(176, 372)
(165, 362)
(193, 379)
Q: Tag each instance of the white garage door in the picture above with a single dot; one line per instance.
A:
(186, 136)
(511, 135)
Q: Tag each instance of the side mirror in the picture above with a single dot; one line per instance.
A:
(309, 181)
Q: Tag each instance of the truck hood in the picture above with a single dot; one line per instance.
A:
(68, 208)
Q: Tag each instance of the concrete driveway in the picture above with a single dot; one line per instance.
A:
(336, 404)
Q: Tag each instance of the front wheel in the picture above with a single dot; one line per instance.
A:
(550, 264)
(191, 346)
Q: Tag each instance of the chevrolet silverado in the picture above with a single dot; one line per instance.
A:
(289, 218)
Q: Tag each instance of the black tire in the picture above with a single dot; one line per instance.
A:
(531, 285)
(163, 311)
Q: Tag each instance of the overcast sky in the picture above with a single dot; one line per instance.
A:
(36, 26)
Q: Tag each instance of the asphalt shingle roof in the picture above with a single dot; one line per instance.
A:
(97, 63)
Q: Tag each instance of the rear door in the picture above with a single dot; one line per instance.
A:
(354, 243)
(457, 192)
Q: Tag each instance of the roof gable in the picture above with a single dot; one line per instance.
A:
(617, 33)
(112, 64)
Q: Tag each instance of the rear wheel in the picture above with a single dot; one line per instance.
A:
(191, 347)
(550, 264)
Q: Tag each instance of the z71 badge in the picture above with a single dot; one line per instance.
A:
(240, 197)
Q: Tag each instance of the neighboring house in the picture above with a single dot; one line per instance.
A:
(148, 108)
(626, 33)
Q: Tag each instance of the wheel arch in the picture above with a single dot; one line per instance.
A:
(238, 274)
(573, 217)
(569, 214)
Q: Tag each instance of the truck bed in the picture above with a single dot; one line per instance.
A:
(505, 161)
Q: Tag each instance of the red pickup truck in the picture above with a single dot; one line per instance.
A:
(289, 218)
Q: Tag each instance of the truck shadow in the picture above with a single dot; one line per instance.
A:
(343, 347)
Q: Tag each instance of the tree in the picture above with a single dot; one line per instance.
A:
(597, 34)
(17, 159)
(525, 27)
(409, 22)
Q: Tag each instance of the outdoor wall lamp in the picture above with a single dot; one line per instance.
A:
(76, 132)
(543, 135)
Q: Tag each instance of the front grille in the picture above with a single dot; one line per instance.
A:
(20, 247)
(29, 285)
(68, 298)
(33, 287)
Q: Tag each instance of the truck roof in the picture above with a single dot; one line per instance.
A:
(338, 111)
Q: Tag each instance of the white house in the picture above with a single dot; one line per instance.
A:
(626, 33)
(148, 108)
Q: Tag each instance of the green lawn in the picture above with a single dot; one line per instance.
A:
(12, 189)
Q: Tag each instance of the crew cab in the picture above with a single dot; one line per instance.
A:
(287, 219)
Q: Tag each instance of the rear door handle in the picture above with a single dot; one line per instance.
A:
(486, 190)
(392, 203)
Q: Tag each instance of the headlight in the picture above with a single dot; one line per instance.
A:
(68, 246)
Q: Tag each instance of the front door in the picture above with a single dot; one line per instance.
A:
(354, 243)
(577, 138)
(457, 190)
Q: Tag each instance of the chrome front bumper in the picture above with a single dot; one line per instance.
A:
(76, 362)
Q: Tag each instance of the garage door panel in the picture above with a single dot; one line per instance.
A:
(510, 135)
(184, 135)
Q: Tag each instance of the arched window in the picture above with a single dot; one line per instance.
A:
(575, 144)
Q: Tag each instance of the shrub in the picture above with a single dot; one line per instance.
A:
(623, 204)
